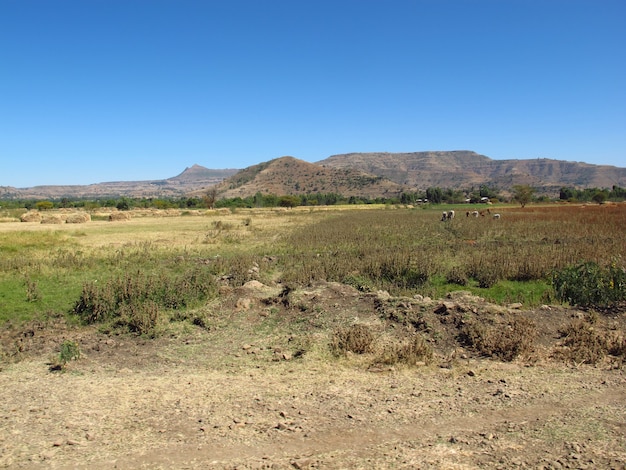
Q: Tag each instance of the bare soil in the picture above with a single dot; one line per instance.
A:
(255, 386)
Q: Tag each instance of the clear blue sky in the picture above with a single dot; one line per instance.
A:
(116, 90)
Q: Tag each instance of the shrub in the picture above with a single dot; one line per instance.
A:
(357, 339)
(506, 341)
(584, 343)
(410, 352)
(590, 285)
(456, 275)
(133, 301)
(69, 351)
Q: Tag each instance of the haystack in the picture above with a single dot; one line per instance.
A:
(119, 216)
(78, 218)
(51, 219)
(31, 216)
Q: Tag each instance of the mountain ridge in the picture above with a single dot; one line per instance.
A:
(367, 174)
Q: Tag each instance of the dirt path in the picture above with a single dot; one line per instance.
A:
(306, 414)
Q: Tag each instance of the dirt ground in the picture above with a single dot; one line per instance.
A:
(256, 387)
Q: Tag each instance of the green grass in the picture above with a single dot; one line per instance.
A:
(403, 251)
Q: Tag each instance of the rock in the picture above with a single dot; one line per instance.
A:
(444, 307)
(515, 306)
(243, 303)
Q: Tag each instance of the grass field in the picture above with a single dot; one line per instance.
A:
(306, 338)
(408, 251)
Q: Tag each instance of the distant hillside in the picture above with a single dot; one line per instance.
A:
(354, 174)
(288, 175)
(463, 169)
(191, 179)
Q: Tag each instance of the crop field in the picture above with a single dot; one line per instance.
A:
(325, 337)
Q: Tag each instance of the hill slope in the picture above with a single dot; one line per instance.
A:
(288, 175)
(191, 179)
(420, 170)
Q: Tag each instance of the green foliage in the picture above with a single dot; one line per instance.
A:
(523, 194)
(590, 285)
(69, 351)
(616, 193)
(44, 205)
(134, 300)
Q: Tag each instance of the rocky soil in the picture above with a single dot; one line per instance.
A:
(254, 385)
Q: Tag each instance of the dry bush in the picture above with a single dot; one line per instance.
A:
(457, 275)
(410, 351)
(139, 317)
(584, 343)
(357, 339)
(505, 340)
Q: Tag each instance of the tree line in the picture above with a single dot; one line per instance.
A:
(522, 194)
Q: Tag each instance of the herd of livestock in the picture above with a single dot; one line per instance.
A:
(449, 215)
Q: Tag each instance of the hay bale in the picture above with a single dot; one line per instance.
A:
(119, 216)
(51, 219)
(31, 216)
(78, 218)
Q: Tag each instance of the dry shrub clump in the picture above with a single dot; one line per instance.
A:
(357, 339)
(411, 351)
(134, 301)
(505, 340)
(583, 343)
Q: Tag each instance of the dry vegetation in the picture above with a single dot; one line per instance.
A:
(327, 338)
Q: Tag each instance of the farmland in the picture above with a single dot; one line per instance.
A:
(313, 337)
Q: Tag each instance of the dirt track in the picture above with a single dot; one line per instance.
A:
(478, 414)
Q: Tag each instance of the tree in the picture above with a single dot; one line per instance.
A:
(523, 194)
(599, 197)
(210, 197)
(434, 195)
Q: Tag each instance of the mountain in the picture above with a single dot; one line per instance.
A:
(374, 174)
(289, 175)
(463, 169)
(191, 179)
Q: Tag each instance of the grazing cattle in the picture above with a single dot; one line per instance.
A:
(447, 215)
(475, 214)
(496, 216)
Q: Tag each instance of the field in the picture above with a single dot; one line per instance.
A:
(360, 337)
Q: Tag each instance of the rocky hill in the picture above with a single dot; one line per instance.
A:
(288, 175)
(191, 179)
(354, 174)
(463, 169)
